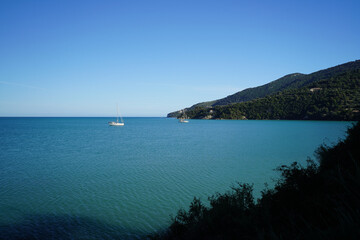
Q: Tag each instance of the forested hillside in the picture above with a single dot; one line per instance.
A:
(291, 81)
(331, 94)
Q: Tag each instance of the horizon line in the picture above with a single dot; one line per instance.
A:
(79, 116)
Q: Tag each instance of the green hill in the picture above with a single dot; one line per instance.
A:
(330, 94)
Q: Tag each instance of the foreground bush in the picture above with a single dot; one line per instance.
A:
(312, 202)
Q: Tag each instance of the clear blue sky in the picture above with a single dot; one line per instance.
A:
(80, 58)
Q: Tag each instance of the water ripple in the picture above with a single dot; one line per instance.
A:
(77, 178)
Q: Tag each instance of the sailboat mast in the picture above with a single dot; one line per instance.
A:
(117, 112)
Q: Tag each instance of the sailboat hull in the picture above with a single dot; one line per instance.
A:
(183, 120)
(116, 124)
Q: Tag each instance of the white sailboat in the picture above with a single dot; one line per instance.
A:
(117, 123)
(183, 118)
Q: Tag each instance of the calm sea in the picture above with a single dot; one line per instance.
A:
(78, 178)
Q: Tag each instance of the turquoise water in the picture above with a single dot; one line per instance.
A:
(77, 178)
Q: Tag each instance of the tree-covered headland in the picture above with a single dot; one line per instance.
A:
(330, 94)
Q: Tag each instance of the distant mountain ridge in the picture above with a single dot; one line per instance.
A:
(287, 84)
(248, 94)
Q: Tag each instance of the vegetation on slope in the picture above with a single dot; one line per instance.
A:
(291, 81)
(334, 98)
(296, 87)
(313, 202)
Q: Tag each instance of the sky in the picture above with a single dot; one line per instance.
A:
(82, 58)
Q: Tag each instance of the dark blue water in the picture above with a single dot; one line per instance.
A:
(78, 178)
